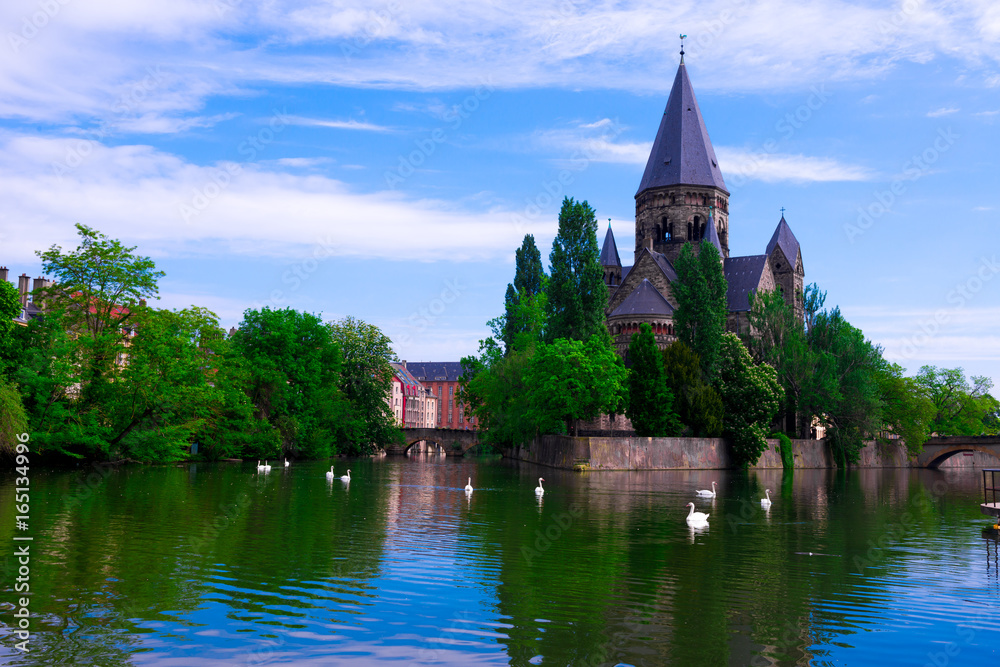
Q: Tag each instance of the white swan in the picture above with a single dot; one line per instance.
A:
(259, 466)
(286, 463)
(538, 489)
(766, 502)
(468, 487)
(266, 467)
(696, 518)
(347, 477)
(705, 493)
(329, 475)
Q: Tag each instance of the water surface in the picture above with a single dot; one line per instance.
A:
(213, 564)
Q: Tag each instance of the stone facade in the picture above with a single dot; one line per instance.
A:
(672, 216)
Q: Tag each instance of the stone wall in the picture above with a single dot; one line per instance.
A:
(636, 453)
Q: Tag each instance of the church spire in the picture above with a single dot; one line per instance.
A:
(682, 153)
(609, 251)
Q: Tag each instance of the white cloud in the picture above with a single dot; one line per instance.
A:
(741, 164)
(338, 124)
(943, 111)
(170, 206)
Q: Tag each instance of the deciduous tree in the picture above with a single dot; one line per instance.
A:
(576, 294)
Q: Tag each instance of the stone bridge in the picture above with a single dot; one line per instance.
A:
(937, 450)
(454, 441)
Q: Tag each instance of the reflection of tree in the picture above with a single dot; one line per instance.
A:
(174, 546)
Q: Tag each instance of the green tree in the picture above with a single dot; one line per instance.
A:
(13, 420)
(700, 293)
(751, 395)
(10, 307)
(366, 380)
(906, 410)
(959, 406)
(524, 304)
(294, 367)
(494, 388)
(697, 403)
(650, 401)
(570, 380)
(576, 292)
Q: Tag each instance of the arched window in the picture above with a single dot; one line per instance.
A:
(697, 226)
(670, 232)
(690, 233)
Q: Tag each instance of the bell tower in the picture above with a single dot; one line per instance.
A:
(682, 190)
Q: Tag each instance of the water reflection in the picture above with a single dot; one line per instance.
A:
(215, 563)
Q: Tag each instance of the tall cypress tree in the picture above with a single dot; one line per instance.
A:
(576, 292)
(519, 302)
(700, 291)
(650, 401)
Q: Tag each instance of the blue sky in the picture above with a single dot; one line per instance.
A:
(383, 160)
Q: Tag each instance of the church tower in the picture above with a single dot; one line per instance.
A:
(682, 190)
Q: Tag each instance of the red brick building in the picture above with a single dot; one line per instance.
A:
(441, 377)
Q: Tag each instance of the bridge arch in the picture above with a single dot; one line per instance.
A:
(933, 459)
(454, 442)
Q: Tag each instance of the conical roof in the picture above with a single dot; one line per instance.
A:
(609, 251)
(644, 300)
(784, 238)
(682, 152)
(712, 235)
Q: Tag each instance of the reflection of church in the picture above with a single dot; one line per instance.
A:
(682, 198)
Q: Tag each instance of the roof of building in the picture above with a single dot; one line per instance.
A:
(743, 276)
(609, 251)
(664, 264)
(644, 300)
(682, 153)
(784, 238)
(625, 270)
(428, 371)
(712, 235)
(411, 383)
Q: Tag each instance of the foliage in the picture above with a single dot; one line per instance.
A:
(906, 410)
(751, 396)
(785, 447)
(697, 403)
(366, 380)
(960, 407)
(10, 307)
(493, 387)
(569, 380)
(700, 293)
(576, 292)
(650, 401)
(13, 419)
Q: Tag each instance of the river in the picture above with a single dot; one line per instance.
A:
(214, 564)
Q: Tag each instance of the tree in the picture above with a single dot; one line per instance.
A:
(10, 307)
(570, 380)
(576, 292)
(959, 407)
(294, 367)
(697, 403)
(524, 304)
(13, 420)
(494, 388)
(700, 292)
(650, 401)
(366, 380)
(906, 410)
(751, 395)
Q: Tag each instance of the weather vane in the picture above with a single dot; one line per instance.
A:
(683, 37)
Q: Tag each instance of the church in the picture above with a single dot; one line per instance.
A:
(683, 198)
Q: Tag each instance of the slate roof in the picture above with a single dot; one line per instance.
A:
(784, 238)
(625, 270)
(743, 275)
(609, 251)
(664, 264)
(432, 371)
(712, 235)
(644, 300)
(682, 153)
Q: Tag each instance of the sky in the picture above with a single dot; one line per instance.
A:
(384, 159)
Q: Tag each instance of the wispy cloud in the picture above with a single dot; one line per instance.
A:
(338, 124)
(943, 111)
(775, 167)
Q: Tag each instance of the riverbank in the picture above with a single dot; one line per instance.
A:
(637, 453)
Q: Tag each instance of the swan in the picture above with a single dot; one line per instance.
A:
(329, 475)
(696, 518)
(538, 489)
(266, 467)
(766, 502)
(347, 477)
(468, 487)
(705, 493)
(286, 463)
(259, 466)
